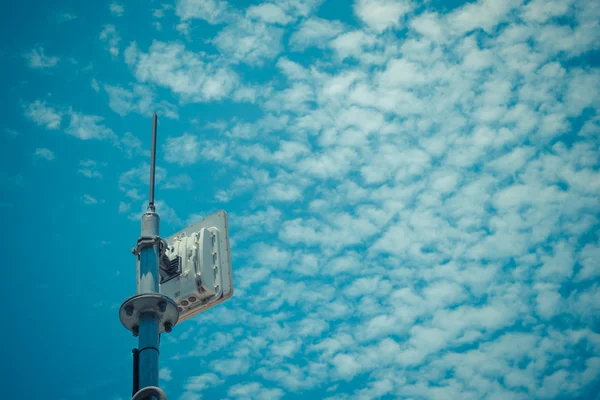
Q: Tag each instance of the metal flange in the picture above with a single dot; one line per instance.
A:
(132, 309)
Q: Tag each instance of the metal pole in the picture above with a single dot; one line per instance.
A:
(152, 162)
(148, 344)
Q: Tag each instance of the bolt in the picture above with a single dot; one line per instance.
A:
(168, 327)
(129, 310)
(162, 306)
(136, 330)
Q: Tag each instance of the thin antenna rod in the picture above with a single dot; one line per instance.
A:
(152, 162)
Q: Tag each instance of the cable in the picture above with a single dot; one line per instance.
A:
(150, 391)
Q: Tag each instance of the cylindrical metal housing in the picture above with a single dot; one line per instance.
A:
(148, 350)
(148, 277)
(150, 224)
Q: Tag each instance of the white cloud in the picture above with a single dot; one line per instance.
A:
(201, 382)
(542, 10)
(124, 207)
(429, 25)
(45, 154)
(281, 192)
(88, 127)
(269, 13)
(181, 181)
(212, 11)
(483, 14)
(65, 17)
(43, 115)
(254, 390)
(140, 176)
(548, 301)
(110, 36)
(588, 256)
(94, 85)
(231, 366)
(37, 59)
(183, 150)
(558, 266)
(89, 169)
(346, 366)
(133, 146)
(133, 193)
(248, 41)
(140, 99)
(583, 92)
(412, 212)
(352, 44)
(117, 9)
(315, 32)
(165, 374)
(160, 12)
(89, 200)
(381, 14)
(188, 75)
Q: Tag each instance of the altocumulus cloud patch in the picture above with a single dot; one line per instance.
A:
(413, 189)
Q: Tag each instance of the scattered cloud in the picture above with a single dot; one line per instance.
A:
(140, 99)
(82, 126)
(193, 77)
(269, 13)
(159, 13)
(140, 176)
(250, 42)
(133, 146)
(43, 115)
(94, 85)
(45, 154)
(436, 196)
(315, 32)
(111, 38)
(86, 127)
(182, 181)
(165, 374)
(124, 207)
(37, 59)
(427, 180)
(183, 150)
(117, 9)
(65, 17)
(133, 194)
(254, 390)
(89, 200)
(211, 11)
(201, 382)
(382, 14)
(89, 169)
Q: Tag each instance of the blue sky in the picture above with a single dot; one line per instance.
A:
(412, 188)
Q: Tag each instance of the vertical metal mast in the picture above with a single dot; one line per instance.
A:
(148, 313)
(152, 163)
(148, 283)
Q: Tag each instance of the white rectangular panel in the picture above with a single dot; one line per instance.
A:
(206, 277)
